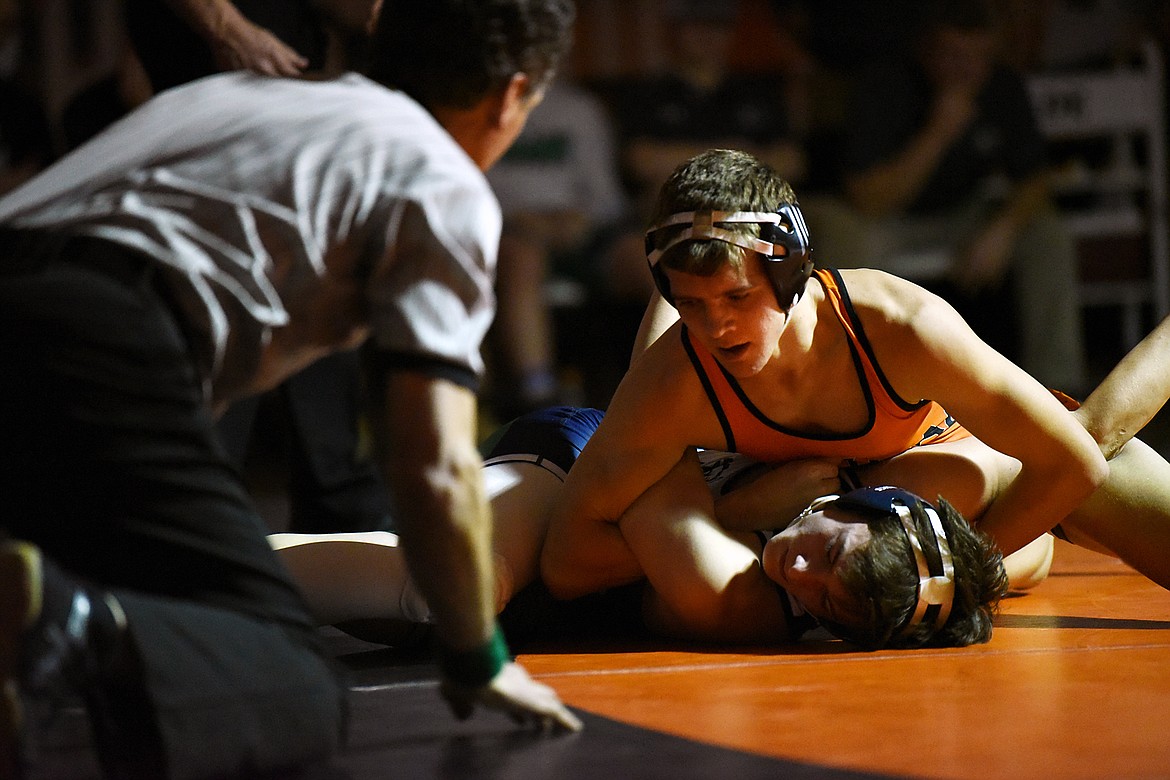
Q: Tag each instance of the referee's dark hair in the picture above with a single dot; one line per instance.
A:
(453, 53)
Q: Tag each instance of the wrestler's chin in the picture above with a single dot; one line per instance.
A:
(742, 362)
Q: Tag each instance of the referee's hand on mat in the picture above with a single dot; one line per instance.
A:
(513, 692)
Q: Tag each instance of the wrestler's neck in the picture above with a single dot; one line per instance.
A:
(805, 342)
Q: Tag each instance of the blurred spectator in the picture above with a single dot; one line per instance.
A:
(701, 103)
(562, 200)
(25, 137)
(1067, 34)
(697, 102)
(105, 101)
(829, 44)
(927, 138)
(332, 484)
(177, 45)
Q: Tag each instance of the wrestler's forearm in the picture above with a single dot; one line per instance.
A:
(775, 495)
(582, 556)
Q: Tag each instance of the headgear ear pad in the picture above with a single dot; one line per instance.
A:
(783, 243)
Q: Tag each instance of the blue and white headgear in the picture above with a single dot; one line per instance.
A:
(931, 548)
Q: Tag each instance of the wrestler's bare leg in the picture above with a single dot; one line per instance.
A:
(1129, 515)
(363, 576)
(351, 576)
(1133, 392)
(522, 497)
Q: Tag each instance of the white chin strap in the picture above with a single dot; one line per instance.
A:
(933, 590)
(702, 226)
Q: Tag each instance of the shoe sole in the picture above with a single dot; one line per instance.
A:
(20, 605)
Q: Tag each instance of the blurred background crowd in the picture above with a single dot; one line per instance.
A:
(912, 131)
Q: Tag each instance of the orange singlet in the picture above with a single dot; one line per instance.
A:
(893, 426)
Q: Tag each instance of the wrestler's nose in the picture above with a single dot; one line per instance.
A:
(719, 321)
(799, 570)
(805, 571)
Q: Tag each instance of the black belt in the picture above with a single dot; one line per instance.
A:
(25, 251)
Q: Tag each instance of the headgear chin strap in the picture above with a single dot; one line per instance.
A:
(936, 566)
(783, 241)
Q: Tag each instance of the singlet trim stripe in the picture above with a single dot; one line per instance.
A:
(537, 460)
(712, 396)
(863, 340)
(763, 419)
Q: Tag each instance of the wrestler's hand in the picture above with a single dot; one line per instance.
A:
(800, 482)
(517, 695)
(778, 495)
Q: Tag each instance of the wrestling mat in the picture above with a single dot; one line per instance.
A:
(1074, 684)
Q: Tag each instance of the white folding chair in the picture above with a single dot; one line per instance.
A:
(1128, 196)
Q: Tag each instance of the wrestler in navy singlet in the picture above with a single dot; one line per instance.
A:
(549, 437)
(552, 438)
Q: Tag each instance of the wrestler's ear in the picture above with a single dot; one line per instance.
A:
(516, 100)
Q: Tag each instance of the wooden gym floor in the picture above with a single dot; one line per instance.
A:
(1075, 683)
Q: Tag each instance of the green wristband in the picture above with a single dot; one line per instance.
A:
(476, 667)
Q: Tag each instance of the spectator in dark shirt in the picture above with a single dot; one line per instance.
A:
(941, 152)
(700, 102)
(333, 484)
(25, 139)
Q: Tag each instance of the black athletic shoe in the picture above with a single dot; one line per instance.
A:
(58, 641)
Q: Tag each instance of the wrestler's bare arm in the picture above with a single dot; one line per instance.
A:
(928, 351)
(656, 412)
(970, 476)
(657, 319)
(777, 493)
(703, 582)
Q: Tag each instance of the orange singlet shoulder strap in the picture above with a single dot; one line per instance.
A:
(884, 395)
(935, 425)
(719, 393)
